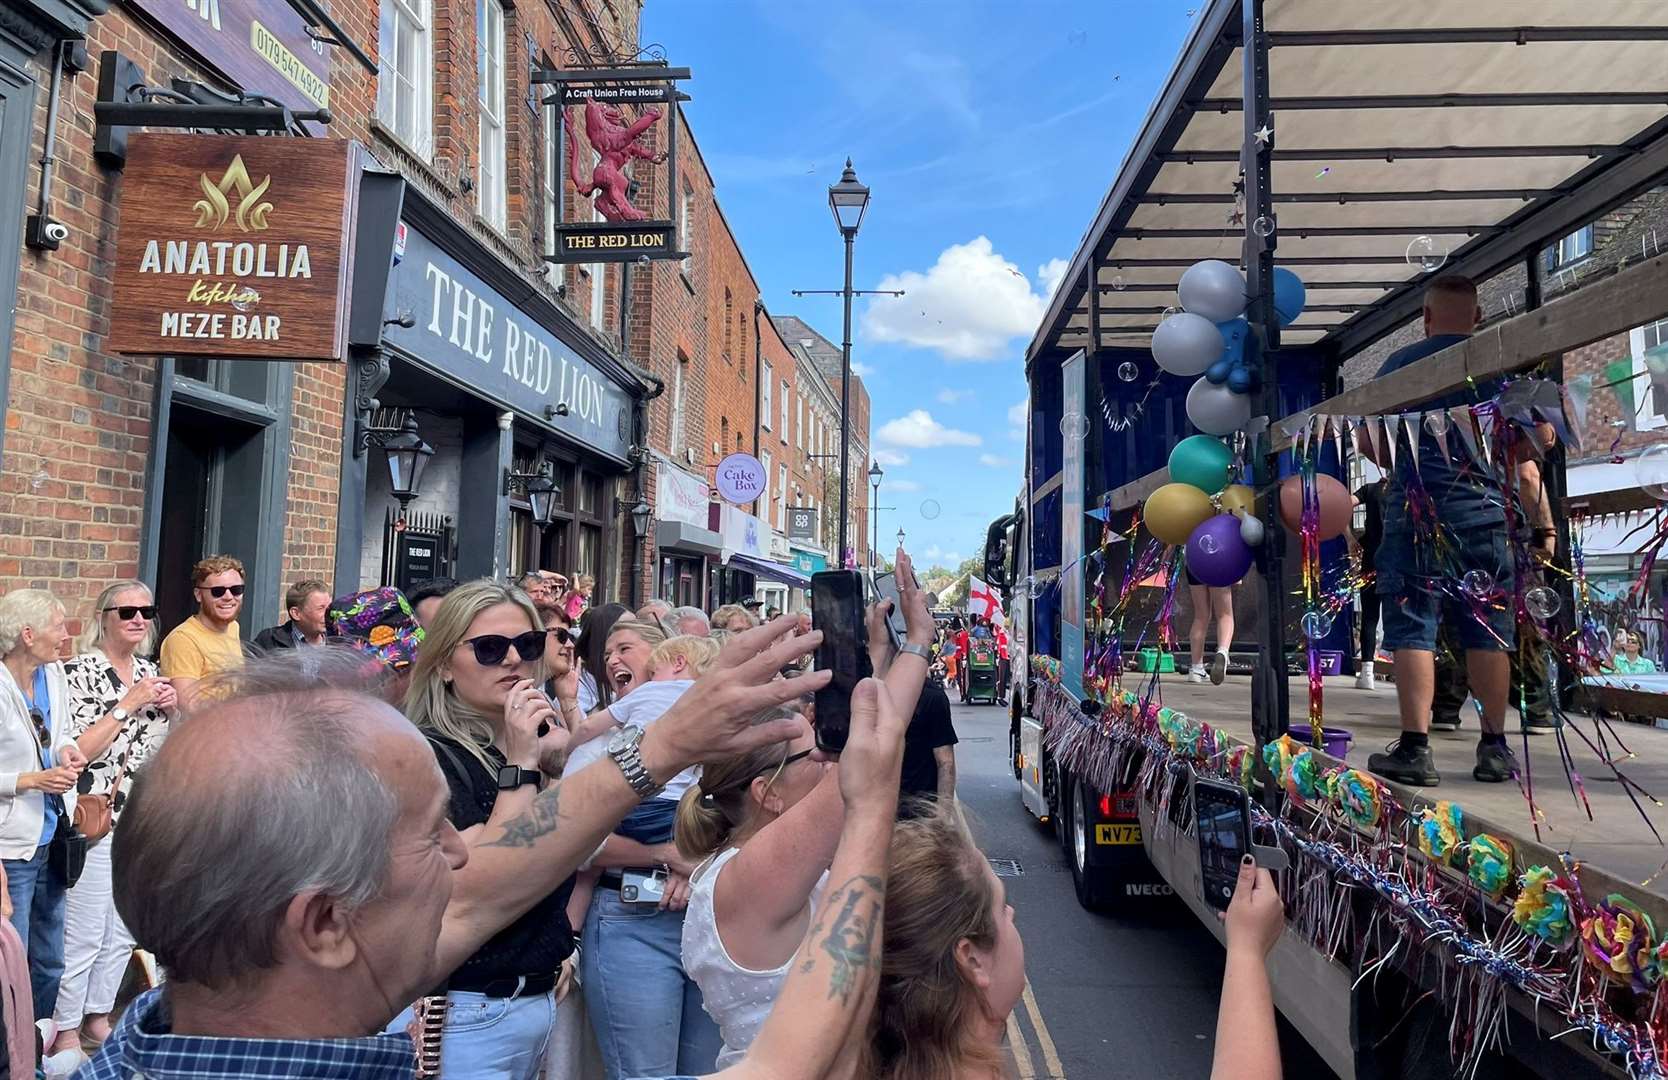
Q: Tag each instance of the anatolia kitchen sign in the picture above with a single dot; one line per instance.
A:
(235, 246)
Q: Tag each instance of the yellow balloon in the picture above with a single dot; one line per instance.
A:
(1236, 498)
(1175, 510)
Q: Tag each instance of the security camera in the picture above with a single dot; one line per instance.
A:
(553, 411)
(57, 230)
(43, 233)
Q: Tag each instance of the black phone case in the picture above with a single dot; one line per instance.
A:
(1218, 883)
(837, 610)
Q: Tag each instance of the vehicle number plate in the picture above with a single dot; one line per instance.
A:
(1117, 834)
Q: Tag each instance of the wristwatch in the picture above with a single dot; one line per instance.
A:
(622, 747)
(120, 715)
(913, 649)
(511, 777)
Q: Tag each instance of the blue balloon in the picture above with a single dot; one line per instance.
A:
(1289, 296)
(1218, 372)
(1239, 380)
(1235, 333)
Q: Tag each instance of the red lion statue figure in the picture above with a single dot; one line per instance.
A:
(615, 142)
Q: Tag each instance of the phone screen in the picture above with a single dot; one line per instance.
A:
(837, 610)
(1224, 816)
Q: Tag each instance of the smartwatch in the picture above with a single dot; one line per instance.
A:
(623, 748)
(511, 777)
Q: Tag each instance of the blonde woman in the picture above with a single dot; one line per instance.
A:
(475, 694)
(733, 619)
(119, 709)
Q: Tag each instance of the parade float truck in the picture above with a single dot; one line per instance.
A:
(1360, 151)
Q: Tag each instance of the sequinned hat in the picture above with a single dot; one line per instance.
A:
(379, 622)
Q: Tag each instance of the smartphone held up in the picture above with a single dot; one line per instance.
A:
(837, 610)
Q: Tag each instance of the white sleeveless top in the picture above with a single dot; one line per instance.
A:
(738, 999)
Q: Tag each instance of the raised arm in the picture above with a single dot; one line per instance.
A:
(515, 863)
(1247, 1042)
(903, 674)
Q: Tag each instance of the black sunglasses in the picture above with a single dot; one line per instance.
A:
(562, 635)
(128, 611)
(789, 760)
(490, 649)
(43, 736)
(217, 591)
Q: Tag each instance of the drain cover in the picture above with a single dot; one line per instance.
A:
(1007, 867)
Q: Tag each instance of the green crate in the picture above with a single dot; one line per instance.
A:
(1150, 659)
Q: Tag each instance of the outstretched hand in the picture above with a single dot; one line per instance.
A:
(1255, 916)
(872, 760)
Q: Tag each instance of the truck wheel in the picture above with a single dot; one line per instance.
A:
(1093, 884)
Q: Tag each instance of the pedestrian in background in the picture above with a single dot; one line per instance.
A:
(542, 588)
(306, 602)
(119, 710)
(381, 624)
(733, 619)
(208, 641)
(594, 626)
(426, 596)
(687, 620)
(39, 766)
(579, 597)
(656, 611)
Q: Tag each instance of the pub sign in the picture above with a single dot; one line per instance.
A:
(234, 246)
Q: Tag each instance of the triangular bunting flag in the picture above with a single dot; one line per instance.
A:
(1441, 436)
(1388, 432)
(1410, 423)
(1460, 416)
(1340, 432)
(1485, 435)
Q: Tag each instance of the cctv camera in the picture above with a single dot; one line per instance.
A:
(57, 230)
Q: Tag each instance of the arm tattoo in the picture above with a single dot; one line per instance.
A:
(524, 829)
(850, 941)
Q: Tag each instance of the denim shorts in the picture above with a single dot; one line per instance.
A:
(1418, 586)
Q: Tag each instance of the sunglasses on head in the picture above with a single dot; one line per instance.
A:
(217, 591)
(125, 612)
(490, 649)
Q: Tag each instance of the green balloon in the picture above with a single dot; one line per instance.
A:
(1203, 461)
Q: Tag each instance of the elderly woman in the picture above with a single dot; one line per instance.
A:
(475, 694)
(39, 765)
(119, 708)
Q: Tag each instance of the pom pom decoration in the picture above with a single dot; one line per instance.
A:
(1174, 511)
(1490, 865)
(1289, 296)
(1216, 410)
(1336, 505)
(1621, 940)
(1213, 289)
(1359, 798)
(1304, 783)
(1441, 831)
(1217, 554)
(1277, 755)
(1186, 344)
(1543, 905)
(1240, 761)
(1203, 461)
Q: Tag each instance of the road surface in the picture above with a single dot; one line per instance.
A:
(1107, 997)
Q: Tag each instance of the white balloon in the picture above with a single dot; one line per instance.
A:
(1186, 344)
(1213, 289)
(1251, 529)
(1216, 410)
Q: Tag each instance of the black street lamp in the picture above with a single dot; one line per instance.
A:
(541, 491)
(408, 458)
(640, 512)
(900, 537)
(875, 475)
(849, 200)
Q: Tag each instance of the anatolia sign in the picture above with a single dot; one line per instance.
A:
(234, 246)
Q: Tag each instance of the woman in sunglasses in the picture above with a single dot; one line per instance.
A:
(475, 692)
(119, 708)
(39, 764)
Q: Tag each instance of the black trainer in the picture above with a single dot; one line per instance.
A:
(1445, 723)
(1412, 765)
(1495, 763)
(1540, 725)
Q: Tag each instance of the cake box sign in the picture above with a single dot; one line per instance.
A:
(234, 246)
(741, 479)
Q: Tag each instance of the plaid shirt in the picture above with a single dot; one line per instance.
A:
(142, 1046)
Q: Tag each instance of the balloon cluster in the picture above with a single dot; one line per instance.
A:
(1199, 508)
(1207, 338)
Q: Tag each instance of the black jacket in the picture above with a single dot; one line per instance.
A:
(276, 637)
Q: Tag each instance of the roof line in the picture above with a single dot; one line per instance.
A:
(1391, 153)
(1465, 35)
(1433, 101)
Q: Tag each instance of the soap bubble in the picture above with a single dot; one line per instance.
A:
(1117, 283)
(1209, 544)
(1316, 624)
(643, 260)
(1651, 467)
(1478, 584)
(1263, 226)
(930, 509)
(1437, 423)
(1427, 253)
(246, 299)
(1542, 603)
(39, 480)
(1129, 371)
(1169, 311)
(1074, 426)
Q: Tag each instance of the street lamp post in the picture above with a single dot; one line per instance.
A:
(849, 200)
(875, 475)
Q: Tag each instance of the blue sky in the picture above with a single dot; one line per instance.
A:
(989, 132)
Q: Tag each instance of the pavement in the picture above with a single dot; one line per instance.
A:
(1104, 996)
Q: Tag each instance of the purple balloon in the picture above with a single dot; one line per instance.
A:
(1216, 554)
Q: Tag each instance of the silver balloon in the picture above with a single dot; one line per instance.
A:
(1216, 410)
(1213, 289)
(1251, 529)
(1186, 344)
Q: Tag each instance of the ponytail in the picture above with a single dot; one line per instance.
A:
(702, 827)
(716, 808)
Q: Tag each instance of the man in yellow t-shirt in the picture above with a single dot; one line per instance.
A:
(208, 642)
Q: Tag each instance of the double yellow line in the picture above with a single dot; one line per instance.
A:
(1025, 1067)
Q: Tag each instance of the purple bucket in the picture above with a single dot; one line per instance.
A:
(1335, 741)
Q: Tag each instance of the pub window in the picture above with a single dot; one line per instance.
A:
(677, 403)
(723, 433)
(799, 420)
(405, 73)
(490, 54)
(783, 432)
(552, 177)
(686, 219)
(764, 400)
(729, 310)
(765, 459)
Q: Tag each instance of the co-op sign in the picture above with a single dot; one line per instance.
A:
(466, 329)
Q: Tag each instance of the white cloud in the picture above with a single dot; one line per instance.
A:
(919, 431)
(969, 305)
(948, 396)
(1018, 413)
(940, 557)
(901, 485)
(889, 458)
(861, 370)
(996, 461)
(1050, 274)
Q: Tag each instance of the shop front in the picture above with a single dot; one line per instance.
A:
(746, 560)
(683, 541)
(530, 424)
(806, 561)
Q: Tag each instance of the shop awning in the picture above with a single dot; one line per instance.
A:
(1485, 131)
(682, 536)
(771, 571)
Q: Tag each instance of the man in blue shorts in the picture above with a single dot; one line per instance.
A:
(1419, 578)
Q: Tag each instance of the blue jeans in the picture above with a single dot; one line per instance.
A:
(38, 894)
(646, 1012)
(1417, 589)
(652, 822)
(487, 1038)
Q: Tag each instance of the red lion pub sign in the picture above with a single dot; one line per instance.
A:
(615, 111)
